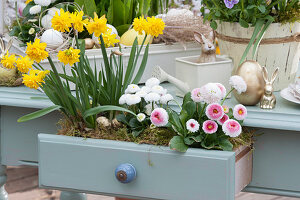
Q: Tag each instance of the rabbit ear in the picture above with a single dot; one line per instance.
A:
(9, 45)
(2, 47)
(274, 75)
(212, 35)
(265, 74)
(198, 37)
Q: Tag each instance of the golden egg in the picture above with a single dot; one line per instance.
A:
(129, 36)
(89, 43)
(251, 72)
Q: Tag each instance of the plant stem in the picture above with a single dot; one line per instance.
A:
(202, 111)
(226, 96)
(17, 18)
(177, 104)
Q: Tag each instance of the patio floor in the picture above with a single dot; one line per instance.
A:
(22, 184)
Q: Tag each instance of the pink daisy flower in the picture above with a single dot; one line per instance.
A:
(240, 112)
(159, 117)
(226, 109)
(222, 88)
(210, 127)
(214, 111)
(192, 125)
(223, 119)
(196, 95)
(232, 128)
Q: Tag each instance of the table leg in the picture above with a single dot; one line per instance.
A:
(3, 193)
(64, 195)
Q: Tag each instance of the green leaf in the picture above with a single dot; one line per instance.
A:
(225, 145)
(39, 113)
(89, 7)
(25, 12)
(99, 109)
(123, 118)
(123, 28)
(243, 23)
(177, 143)
(262, 8)
(198, 138)
(218, 13)
(137, 132)
(116, 13)
(213, 25)
(175, 121)
(187, 98)
(134, 123)
(188, 141)
(190, 108)
(142, 66)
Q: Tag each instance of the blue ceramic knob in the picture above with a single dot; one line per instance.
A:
(125, 173)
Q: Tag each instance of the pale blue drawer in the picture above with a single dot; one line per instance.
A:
(88, 165)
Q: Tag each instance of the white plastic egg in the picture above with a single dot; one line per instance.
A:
(113, 31)
(46, 21)
(52, 38)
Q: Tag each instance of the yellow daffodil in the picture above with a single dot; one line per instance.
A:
(35, 78)
(97, 25)
(155, 26)
(69, 56)
(109, 39)
(28, 1)
(8, 61)
(36, 51)
(140, 25)
(24, 64)
(62, 22)
(77, 21)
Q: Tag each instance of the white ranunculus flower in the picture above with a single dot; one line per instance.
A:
(158, 89)
(152, 97)
(146, 89)
(141, 93)
(141, 117)
(238, 83)
(210, 93)
(132, 99)
(122, 99)
(164, 99)
(42, 2)
(35, 9)
(132, 88)
(152, 82)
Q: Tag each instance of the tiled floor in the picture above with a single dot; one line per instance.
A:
(22, 184)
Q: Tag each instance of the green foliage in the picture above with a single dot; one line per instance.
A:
(89, 7)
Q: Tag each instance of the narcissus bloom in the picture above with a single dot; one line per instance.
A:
(97, 25)
(8, 61)
(155, 26)
(35, 78)
(109, 39)
(140, 25)
(69, 56)
(24, 64)
(62, 21)
(36, 51)
(78, 21)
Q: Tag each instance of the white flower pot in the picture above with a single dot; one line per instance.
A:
(159, 54)
(282, 55)
(198, 74)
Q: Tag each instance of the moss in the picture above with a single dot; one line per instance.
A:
(244, 139)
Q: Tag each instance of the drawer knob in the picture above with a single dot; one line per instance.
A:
(125, 173)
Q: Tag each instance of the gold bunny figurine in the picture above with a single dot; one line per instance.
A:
(268, 100)
(4, 49)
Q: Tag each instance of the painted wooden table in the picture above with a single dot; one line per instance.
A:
(276, 155)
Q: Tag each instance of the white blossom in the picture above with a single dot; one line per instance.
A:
(158, 89)
(42, 2)
(164, 99)
(35, 9)
(122, 99)
(152, 82)
(132, 99)
(152, 97)
(210, 93)
(238, 83)
(132, 88)
(141, 117)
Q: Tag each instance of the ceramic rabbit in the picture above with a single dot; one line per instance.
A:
(4, 49)
(207, 45)
(268, 100)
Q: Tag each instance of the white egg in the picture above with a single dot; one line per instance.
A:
(46, 21)
(52, 38)
(113, 31)
(53, 10)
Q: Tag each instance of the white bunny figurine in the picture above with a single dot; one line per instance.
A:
(207, 45)
(268, 100)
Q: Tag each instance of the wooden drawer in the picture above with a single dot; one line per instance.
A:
(89, 165)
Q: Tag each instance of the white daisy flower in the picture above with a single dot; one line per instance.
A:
(141, 117)
(132, 88)
(122, 99)
(238, 83)
(152, 97)
(164, 99)
(35, 9)
(152, 82)
(210, 93)
(141, 93)
(158, 89)
(132, 99)
(192, 125)
(146, 89)
(42, 2)
(148, 108)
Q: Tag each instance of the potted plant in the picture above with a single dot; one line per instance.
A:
(92, 110)
(270, 29)
(41, 21)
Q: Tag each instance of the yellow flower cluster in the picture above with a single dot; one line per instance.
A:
(36, 51)
(69, 56)
(152, 26)
(109, 39)
(24, 64)
(97, 25)
(65, 20)
(35, 78)
(28, 1)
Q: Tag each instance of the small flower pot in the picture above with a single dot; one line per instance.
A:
(197, 74)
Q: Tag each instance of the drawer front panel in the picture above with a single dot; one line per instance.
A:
(89, 165)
